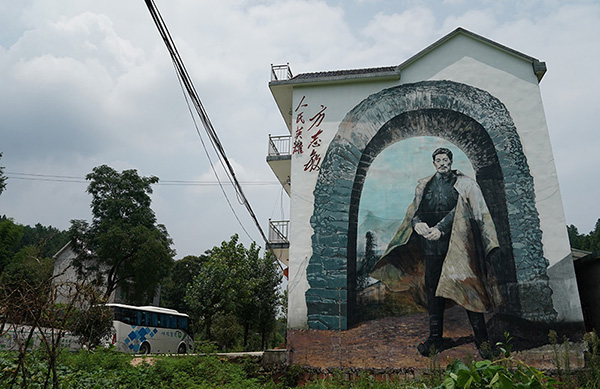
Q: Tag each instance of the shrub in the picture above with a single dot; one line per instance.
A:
(505, 372)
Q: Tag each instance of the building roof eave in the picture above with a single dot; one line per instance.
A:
(539, 67)
(341, 76)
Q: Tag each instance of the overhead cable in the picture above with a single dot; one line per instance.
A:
(82, 180)
(208, 127)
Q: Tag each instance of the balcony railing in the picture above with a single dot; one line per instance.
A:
(281, 72)
(279, 145)
(278, 231)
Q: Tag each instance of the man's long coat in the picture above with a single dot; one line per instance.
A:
(466, 278)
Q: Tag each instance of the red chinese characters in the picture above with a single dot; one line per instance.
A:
(297, 147)
(311, 129)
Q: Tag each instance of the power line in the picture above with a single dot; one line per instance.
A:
(212, 166)
(208, 127)
(82, 180)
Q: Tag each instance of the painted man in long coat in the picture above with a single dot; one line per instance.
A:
(440, 251)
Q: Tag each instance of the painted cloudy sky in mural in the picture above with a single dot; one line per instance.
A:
(89, 82)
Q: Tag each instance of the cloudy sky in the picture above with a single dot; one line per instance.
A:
(87, 82)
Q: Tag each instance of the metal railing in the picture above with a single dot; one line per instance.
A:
(278, 231)
(281, 72)
(279, 145)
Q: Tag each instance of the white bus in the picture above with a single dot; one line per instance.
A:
(147, 329)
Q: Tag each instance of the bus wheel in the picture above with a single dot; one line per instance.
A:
(145, 348)
(181, 349)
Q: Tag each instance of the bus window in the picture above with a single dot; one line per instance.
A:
(116, 312)
(183, 323)
(131, 317)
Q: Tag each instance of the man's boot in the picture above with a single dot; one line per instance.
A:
(481, 336)
(434, 343)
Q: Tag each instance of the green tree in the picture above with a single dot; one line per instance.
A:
(575, 238)
(587, 242)
(93, 322)
(266, 278)
(49, 239)
(594, 238)
(2, 178)
(226, 331)
(182, 274)
(28, 266)
(30, 310)
(123, 245)
(209, 295)
(246, 287)
(10, 240)
(240, 282)
(26, 279)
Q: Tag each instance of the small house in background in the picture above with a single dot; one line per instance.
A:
(66, 277)
(359, 143)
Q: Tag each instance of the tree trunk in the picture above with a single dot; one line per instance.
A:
(246, 330)
(263, 339)
(208, 324)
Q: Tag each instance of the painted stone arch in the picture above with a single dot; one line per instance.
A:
(479, 125)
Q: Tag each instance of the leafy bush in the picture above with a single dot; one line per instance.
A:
(108, 368)
(93, 324)
(99, 358)
(488, 374)
(592, 360)
(504, 372)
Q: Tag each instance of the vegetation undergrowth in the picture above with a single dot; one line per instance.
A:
(100, 368)
(106, 368)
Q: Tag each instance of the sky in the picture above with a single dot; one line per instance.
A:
(86, 82)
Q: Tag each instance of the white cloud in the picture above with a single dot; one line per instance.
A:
(478, 21)
(389, 39)
(88, 82)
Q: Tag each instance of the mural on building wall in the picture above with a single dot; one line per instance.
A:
(399, 230)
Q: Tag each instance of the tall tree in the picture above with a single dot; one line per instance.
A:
(49, 239)
(593, 238)
(587, 242)
(209, 295)
(240, 282)
(10, 239)
(123, 246)
(2, 178)
(268, 296)
(575, 238)
(182, 274)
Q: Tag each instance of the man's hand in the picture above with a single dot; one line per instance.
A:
(434, 234)
(422, 229)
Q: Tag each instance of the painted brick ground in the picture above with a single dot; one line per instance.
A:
(392, 343)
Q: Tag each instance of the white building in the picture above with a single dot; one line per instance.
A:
(360, 139)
